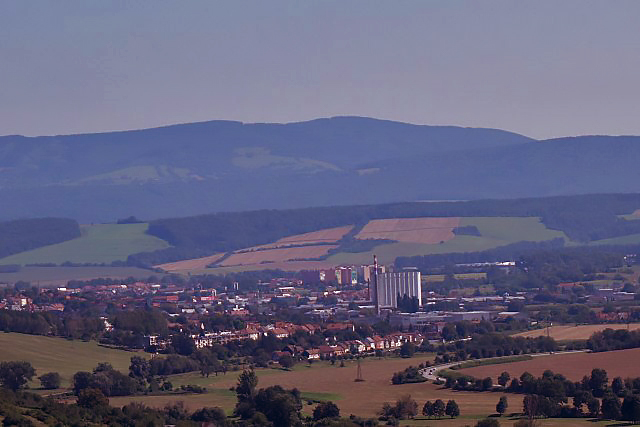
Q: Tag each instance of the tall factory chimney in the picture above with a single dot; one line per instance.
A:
(376, 300)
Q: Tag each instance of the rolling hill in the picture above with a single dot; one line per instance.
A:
(218, 166)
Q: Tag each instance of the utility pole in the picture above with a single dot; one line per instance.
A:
(359, 378)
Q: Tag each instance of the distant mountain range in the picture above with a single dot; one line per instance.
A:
(213, 166)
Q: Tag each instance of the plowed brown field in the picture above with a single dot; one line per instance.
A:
(329, 235)
(190, 264)
(277, 255)
(621, 363)
(410, 230)
(571, 332)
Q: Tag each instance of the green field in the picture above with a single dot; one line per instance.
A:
(49, 354)
(495, 231)
(101, 243)
(631, 239)
(59, 276)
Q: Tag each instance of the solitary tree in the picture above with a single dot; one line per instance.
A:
(326, 410)
(246, 386)
(50, 381)
(14, 375)
(438, 408)
(286, 361)
(407, 349)
(504, 378)
(452, 409)
(502, 405)
(427, 409)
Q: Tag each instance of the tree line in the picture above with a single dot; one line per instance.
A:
(611, 339)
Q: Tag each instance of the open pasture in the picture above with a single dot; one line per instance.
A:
(410, 230)
(277, 255)
(575, 332)
(100, 243)
(51, 354)
(621, 363)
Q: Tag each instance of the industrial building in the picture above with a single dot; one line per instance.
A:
(390, 285)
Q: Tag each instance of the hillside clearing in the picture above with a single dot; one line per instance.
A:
(410, 230)
(100, 243)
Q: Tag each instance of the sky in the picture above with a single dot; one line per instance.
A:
(540, 68)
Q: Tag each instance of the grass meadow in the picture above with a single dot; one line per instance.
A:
(52, 354)
(100, 243)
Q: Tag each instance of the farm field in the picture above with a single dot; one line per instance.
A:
(622, 363)
(322, 381)
(285, 265)
(52, 354)
(410, 230)
(101, 243)
(59, 276)
(277, 255)
(630, 239)
(573, 332)
(410, 235)
(495, 231)
(190, 264)
(328, 235)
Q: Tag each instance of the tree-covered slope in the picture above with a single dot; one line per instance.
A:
(25, 234)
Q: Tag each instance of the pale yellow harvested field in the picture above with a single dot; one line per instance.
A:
(621, 363)
(572, 332)
(328, 235)
(410, 230)
(277, 255)
(190, 264)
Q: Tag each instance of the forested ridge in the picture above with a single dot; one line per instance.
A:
(25, 234)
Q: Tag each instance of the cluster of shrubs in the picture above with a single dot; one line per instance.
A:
(410, 375)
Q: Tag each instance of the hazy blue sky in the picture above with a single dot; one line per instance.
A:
(542, 68)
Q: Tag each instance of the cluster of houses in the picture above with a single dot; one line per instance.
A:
(368, 345)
